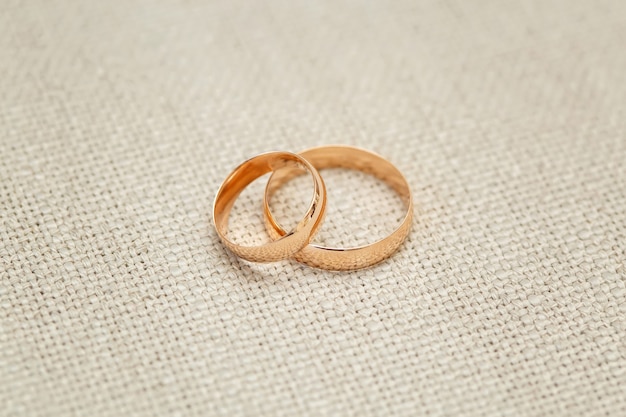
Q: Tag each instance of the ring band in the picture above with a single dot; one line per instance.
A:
(289, 243)
(352, 158)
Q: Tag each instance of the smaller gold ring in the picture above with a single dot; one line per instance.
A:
(352, 158)
(288, 244)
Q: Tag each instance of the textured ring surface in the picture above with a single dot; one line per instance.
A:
(353, 158)
(290, 242)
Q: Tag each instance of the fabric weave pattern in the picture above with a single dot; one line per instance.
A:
(119, 120)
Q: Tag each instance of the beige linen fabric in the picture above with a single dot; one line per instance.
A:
(119, 120)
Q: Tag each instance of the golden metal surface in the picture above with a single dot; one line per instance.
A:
(352, 158)
(288, 243)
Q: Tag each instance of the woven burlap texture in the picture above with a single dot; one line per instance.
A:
(119, 120)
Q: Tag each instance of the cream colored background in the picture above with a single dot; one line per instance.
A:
(119, 120)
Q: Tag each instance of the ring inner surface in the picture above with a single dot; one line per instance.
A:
(237, 210)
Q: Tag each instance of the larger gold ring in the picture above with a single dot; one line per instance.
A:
(353, 158)
(241, 177)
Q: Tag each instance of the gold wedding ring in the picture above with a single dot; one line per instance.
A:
(296, 243)
(352, 158)
(288, 243)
